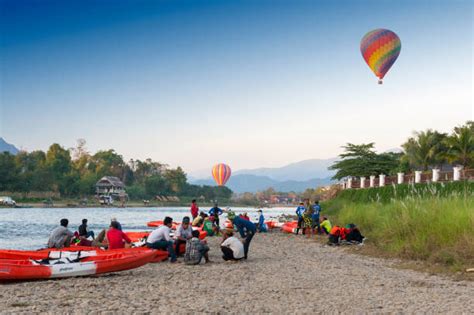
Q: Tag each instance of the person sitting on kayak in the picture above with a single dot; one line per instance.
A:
(231, 247)
(160, 239)
(325, 225)
(216, 212)
(195, 250)
(83, 230)
(246, 229)
(116, 238)
(199, 219)
(299, 212)
(209, 226)
(60, 237)
(261, 226)
(183, 233)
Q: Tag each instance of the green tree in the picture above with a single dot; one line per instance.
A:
(361, 160)
(461, 145)
(107, 163)
(425, 149)
(176, 179)
(156, 185)
(58, 164)
(8, 172)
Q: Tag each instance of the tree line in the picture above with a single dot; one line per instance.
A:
(423, 151)
(74, 172)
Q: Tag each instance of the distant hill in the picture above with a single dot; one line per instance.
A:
(299, 171)
(253, 183)
(5, 146)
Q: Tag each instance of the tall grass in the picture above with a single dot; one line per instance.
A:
(388, 193)
(432, 229)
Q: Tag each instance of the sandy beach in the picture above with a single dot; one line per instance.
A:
(284, 274)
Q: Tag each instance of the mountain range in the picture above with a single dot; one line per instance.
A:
(7, 147)
(292, 177)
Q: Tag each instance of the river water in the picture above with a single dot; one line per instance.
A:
(29, 228)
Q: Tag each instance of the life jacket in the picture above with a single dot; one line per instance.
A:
(336, 231)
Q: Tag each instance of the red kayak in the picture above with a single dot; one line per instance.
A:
(289, 227)
(75, 252)
(29, 269)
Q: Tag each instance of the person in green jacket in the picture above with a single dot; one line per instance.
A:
(326, 225)
(209, 226)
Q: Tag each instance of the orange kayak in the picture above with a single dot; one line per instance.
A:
(289, 227)
(75, 252)
(159, 223)
(28, 269)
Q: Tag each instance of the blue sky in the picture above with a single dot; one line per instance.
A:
(250, 83)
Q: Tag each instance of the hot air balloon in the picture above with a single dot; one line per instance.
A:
(380, 48)
(221, 173)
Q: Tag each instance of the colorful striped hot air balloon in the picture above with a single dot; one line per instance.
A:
(221, 173)
(380, 48)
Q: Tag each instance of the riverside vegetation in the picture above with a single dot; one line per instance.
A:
(432, 224)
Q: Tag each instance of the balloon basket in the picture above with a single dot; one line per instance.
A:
(380, 82)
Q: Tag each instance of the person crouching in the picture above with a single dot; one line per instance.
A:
(196, 249)
(231, 247)
(160, 239)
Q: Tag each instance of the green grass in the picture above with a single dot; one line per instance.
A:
(388, 193)
(431, 229)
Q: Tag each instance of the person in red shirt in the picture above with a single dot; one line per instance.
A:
(194, 209)
(245, 216)
(117, 238)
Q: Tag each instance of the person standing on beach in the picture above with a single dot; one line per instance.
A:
(216, 212)
(160, 239)
(261, 226)
(299, 212)
(60, 237)
(194, 209)
(246, 229)
(231, 247)
(315, 217)
(183, 234)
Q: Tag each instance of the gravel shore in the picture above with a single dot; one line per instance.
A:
(284, 274)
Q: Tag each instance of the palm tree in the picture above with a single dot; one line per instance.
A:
(461, 145)
(425, 149)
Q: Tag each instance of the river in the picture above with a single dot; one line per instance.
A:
(29, 228)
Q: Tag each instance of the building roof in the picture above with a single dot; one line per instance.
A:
(110, 181)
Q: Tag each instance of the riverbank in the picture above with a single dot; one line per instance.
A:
(284, 274)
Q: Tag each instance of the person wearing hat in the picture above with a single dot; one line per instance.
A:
(261, 226)
(299, 212)
(183, 233)
(232, 248)
(246, 229)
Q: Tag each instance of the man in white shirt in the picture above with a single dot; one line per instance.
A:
(160, 239)
(231, 247)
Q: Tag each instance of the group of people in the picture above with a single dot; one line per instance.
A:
(111, 238)
(310, 222)
(161, 238)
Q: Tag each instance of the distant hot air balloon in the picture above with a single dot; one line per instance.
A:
(380, 48)
(221, 173)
